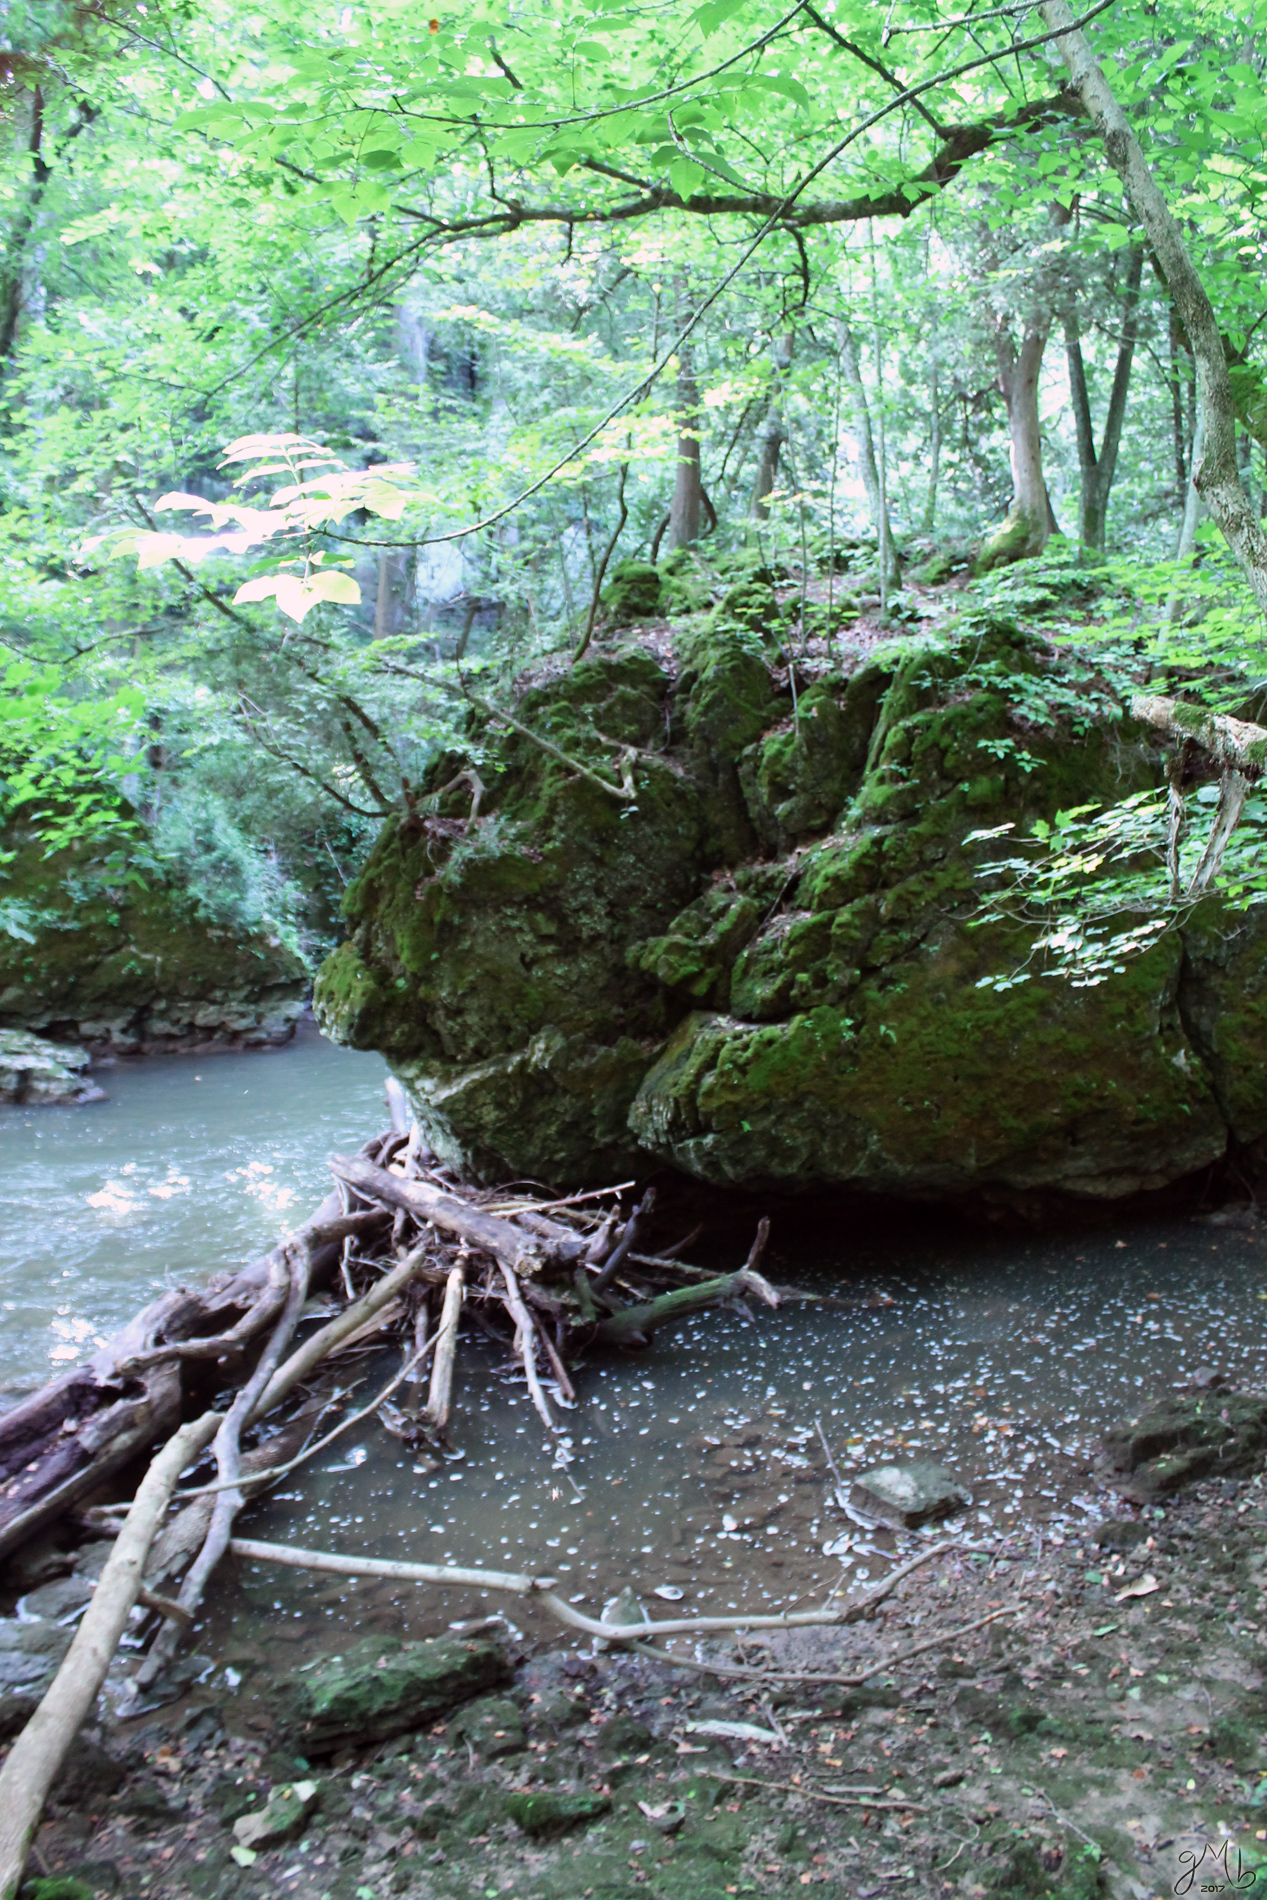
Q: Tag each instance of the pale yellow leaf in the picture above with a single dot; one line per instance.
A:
(295, 597)
(335, 586)
(177, 500)
(262, 589)
(1144, 1588)
(153, 549)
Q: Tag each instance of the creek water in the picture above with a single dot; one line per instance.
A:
(698, 1471)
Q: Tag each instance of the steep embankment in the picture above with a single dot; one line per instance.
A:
(117, 957)
(761, 970)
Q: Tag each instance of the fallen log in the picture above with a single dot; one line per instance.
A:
(228, 1453)
(65, 1440)
(268, 1386)
(1233, 744)
(440, 1396)
(526, 1340)
(37, 1755)
(1234, 747)
(492, 1234)
(634, 1325)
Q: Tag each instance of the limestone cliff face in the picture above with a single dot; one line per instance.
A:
(126, 964)
(763, 972)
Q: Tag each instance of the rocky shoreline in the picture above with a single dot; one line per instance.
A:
(1100, 1730)
(34, 1071)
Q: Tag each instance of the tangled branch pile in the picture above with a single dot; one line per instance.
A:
(400, 1250)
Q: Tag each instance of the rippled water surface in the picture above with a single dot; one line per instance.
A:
(698, 1470)
(193, 1163)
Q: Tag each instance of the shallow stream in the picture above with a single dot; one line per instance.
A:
(699, 1473)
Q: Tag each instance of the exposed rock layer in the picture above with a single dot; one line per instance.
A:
(118, 959)
(34, 1071)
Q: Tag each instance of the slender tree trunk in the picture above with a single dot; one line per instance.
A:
(14, 268)
(1186, 540)
(866, 449)
(773, 433)
(934, 448)
(622, 516)
(1176, 408)
(684, 510)
(395, 587)
(1028, 524)
(1215, 473)
(1030, 519)
(889, 576)
(1097, 471)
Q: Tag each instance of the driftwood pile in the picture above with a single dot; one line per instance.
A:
(399, 1250)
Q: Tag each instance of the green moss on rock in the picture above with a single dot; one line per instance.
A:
(632, 593)
(122, 959)
(762, 972)
(548, 1813)
(384, 1688)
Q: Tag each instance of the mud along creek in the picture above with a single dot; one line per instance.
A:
(699, 1470)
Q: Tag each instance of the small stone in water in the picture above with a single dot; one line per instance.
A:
(669, 1592)
(907, 1494)
(729, 1523)
(624, 1610)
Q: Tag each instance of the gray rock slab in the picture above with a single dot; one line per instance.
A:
(909, 1493)
(33, 1070)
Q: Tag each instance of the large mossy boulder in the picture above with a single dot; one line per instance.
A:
(762, 970)
(116, 955)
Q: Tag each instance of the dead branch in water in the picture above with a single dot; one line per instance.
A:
(412, 1254)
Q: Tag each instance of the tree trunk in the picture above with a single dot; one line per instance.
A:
(12, 275)
(1187, 537)
(684, 511)
(866, 451)
(1030, 519)
(1216, 475)
(1028, 523)
(934, 448)
(1176, 406)
(1097, 471)
(393, 599)
(773, 433)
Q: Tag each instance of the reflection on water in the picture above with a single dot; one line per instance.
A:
(699, 1471)
(192, 1164)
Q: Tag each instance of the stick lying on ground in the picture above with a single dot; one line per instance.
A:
(541, 1590)
(773, 1673)
(819, 1794)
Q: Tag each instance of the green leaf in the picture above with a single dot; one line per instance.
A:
(716, 13)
